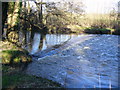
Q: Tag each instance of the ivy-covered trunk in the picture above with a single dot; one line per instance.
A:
(13, 13)
(11, 19)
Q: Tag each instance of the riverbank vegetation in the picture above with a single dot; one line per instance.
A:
(64, 17)
(16, 78)
(14, 62)
(56, 17)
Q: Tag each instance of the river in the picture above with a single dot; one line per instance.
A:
(35, 41)
(79, 61)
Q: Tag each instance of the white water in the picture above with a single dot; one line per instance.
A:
(89, 64)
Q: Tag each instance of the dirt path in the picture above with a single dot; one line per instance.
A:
(84, 62)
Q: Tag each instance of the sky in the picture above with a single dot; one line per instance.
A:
(94, 6)
(100, 6)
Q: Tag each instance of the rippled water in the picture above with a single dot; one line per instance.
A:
(89, 64)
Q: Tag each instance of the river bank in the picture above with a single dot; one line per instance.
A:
(14, 61)
(84, 62)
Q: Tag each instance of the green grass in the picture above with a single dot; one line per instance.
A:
(15, 56)
(10, 53)
(14, 78)
(11, 80)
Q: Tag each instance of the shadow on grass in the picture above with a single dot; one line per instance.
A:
(93, 30)
(15, 58)
(116, 32)
(12, 78)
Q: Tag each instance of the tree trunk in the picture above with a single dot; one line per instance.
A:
(13, 16)
(40, 15)
(4, 17)
(10, 19)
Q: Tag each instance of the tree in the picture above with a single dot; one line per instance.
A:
(10, 16)
(118, 9)
(4, 15)
(13, 13)
(60, 14)
(113, 13)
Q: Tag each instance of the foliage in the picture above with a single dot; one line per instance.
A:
(58, 17)
(113, 13)
(13, 36)
(13, 76)
(11, 7)
(61, 14)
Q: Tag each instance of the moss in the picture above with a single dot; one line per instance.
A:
(14, 56)
(11, 7)
(13, 36)
(17, 60)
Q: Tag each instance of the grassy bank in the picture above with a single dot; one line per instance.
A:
(13, 55)
(14, 62)
(15, 78)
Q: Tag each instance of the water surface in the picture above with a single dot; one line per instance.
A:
(89, 64)
(35, 41)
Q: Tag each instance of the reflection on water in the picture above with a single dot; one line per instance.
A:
(81, 72)
(34, 41)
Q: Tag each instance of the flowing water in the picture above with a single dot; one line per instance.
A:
(36, 41)
(90, 64)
